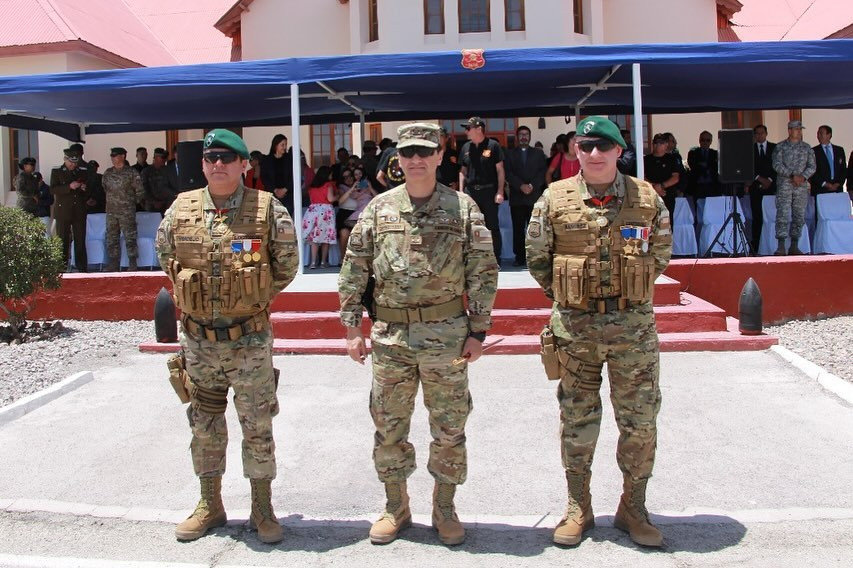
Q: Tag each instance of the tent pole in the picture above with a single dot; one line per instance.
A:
(638, 119)
(361, 143)
(297, 172)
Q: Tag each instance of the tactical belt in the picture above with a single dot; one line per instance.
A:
(450, 309)
(257, 323)
(606, 305)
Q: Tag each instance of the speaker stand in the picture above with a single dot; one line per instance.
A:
(738, 232)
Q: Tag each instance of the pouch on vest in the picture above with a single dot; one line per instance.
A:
(570, 280)
(178, 377)
(188, 289)
(638, 277)
(548, 353)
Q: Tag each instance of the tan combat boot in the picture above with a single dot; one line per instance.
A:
(208, 514)
(780, 250)
(632, 516)
(444, 518)
(396, 516)
(578, 518)
(263, 517)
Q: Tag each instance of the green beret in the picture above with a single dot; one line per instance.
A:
(418, 134)
(222, 138)
(600, 127)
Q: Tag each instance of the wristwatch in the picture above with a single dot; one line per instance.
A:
(478, 335)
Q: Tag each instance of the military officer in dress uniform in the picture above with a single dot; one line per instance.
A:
(228, 251)
(595, 243)
(68, 186)
(427, 246)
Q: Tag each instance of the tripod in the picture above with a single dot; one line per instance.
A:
(738, 234)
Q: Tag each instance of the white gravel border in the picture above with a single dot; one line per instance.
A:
(37, 400)
(827, 380)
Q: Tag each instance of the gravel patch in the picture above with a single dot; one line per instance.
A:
(94, 345)
(83, 346)
(827, 342)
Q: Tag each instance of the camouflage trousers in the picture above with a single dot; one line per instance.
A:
(244, 365)
(627, 341)
(791, 204)
(403, 356)
(126, 223)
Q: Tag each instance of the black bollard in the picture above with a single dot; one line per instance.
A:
(165, 323)
(750, 309)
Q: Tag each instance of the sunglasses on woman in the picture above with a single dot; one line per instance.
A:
(421, 151)
(587, 146)
(224, 157)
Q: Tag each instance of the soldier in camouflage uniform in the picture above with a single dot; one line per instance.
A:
(27, 186)
(228, 251)
(595, 243)
(123, 189)
(159, 193)
(427, 246)
(794, 163)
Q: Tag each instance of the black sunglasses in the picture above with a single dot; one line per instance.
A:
(422, 151)
(587, 146)
(224, 157)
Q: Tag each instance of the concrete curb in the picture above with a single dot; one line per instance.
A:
(37, 400)
(827, 380)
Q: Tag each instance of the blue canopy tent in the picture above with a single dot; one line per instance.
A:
(601, 79)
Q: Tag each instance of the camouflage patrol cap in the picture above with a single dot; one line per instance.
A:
(795, 124)
(118, 151)
(222, 138)
(600, 127)
(418, 134)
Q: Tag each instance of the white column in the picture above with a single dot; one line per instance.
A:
(638, 119)
(297, 170)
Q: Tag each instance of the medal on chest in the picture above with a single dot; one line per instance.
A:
(247, 250)
(601, 212)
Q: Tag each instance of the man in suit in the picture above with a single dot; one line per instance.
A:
(831, 164)
(765, 179)
(703, 179)
(525, 172)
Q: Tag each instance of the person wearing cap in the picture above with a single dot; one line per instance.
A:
(228, 251)
(68, 185)
(794, 163)
(124, 192)
(27, 186)
(426, 247)
(97, 200)
(596, 242)
(482, 175)
(157, 184)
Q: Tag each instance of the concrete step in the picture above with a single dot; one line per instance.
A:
(729, 339)
(694, 314)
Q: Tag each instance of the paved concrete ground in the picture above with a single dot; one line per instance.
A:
(754, 469)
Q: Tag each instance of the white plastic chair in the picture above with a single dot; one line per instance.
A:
(811, 218)
(96, 235)
(714, 214)
(767, 243)
(834, 232)
(683, 229)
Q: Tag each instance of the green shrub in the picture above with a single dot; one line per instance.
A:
(29, 262)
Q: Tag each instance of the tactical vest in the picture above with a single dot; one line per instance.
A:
(227, 275)
(579, 241)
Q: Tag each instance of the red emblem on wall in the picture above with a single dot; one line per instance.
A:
(473, 58)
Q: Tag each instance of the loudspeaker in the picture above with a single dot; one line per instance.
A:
(190, 173)
(736, 159)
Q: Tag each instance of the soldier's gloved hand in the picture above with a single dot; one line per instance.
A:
(355, 345)
(472, 350)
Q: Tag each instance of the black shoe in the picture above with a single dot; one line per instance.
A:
(519, 263)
